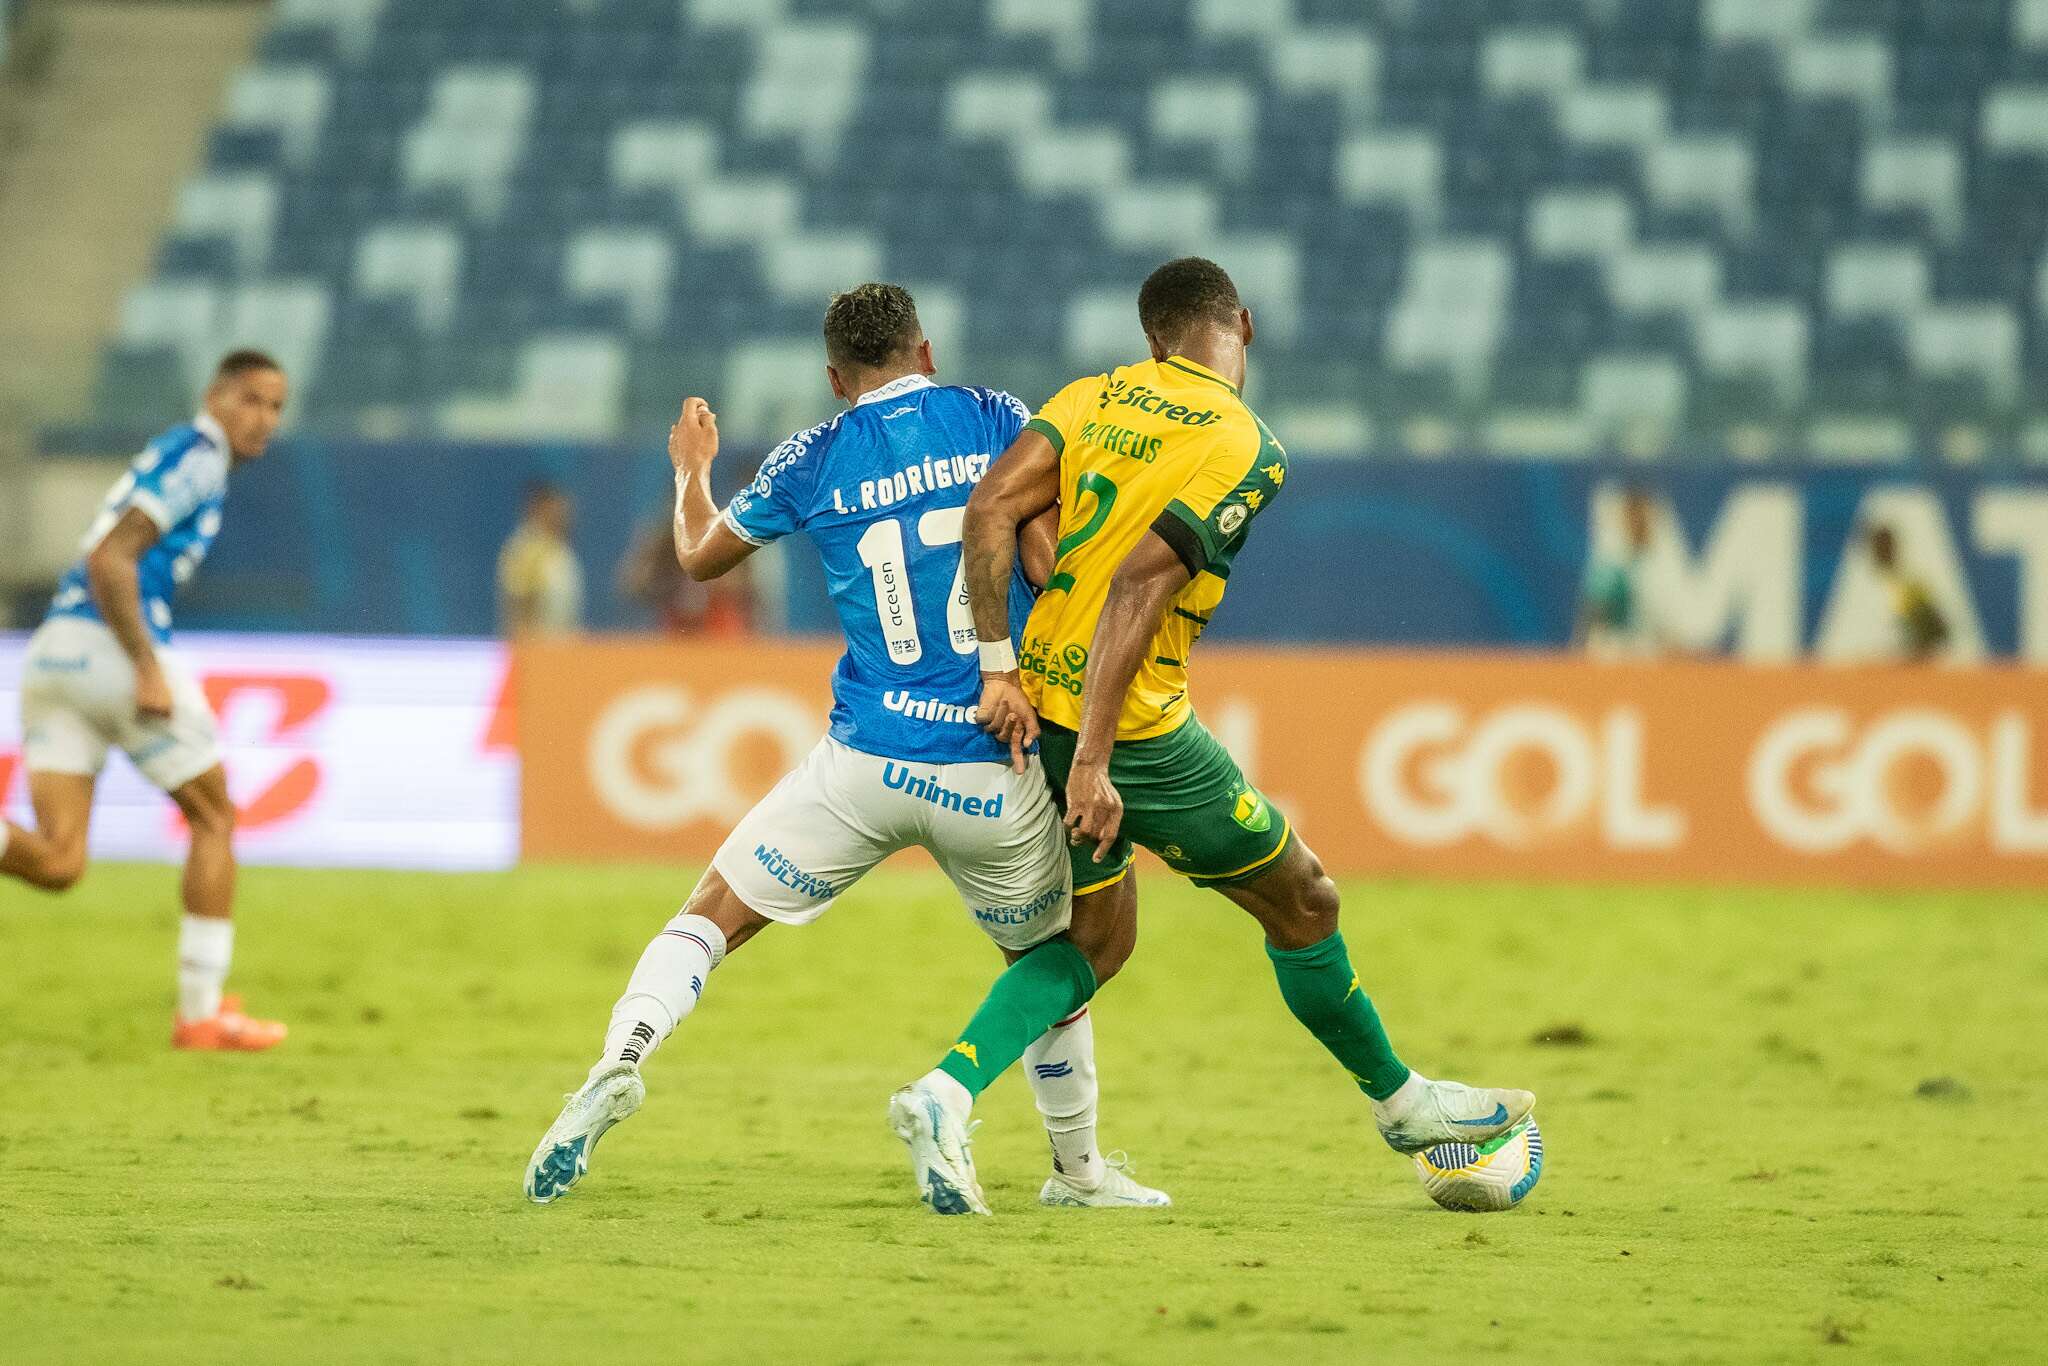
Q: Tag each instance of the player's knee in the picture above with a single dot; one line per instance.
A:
(61, 868)
(209, 811)
(1306, 911)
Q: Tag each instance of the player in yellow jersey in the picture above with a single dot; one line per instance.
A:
(1159, 470)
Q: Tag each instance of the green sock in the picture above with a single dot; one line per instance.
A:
(1034, 993)
(1323, 992)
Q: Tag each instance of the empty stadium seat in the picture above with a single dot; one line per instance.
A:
(1537, 220)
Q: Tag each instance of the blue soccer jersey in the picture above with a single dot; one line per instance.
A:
(882, 492)
(179, 482)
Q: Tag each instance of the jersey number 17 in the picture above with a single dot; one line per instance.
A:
(881, 550)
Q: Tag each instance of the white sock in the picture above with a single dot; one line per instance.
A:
(957, 1099)
(663, 989)
(1061, 1066)
(1395, 1108)
(206, 945)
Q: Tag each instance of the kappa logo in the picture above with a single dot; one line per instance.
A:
(892, 416)
(1231, 518)
(966, 1050)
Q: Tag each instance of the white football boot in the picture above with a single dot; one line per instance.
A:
(941, 1157)
(1116, 1190)
(564, 1152)
(1424, 1113)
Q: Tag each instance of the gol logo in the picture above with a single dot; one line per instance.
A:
(1912, 779)
(1522, 774)
(660, 760)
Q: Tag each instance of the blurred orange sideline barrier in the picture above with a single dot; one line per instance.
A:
(1412, 764)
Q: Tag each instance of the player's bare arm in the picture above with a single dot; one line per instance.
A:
(705, 546)
(1018, 489)
(1038, 546)
(112, 570)
(1144, 586)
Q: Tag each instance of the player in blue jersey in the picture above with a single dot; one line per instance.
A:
(101, 675)
(881, 490)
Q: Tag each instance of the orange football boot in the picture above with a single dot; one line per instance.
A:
(229, 1031)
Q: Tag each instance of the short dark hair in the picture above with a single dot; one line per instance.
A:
(870, 325)
(245, 361)
(1184, 294)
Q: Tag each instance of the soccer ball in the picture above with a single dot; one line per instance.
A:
(1478, 1178)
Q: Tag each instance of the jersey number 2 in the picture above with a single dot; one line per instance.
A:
(881, 550)
(1104, 490)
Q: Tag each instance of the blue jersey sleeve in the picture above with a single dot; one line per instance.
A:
(777, 502)
(175, 479)
(1006, 415)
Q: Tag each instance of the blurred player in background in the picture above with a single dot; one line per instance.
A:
(650, 577)
(101, 675)
(1621, 613)
(1919, 631)
(881, 491)
(540, 580)
(1158, 471)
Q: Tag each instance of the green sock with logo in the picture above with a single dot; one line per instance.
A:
(1323, 992)
(1034, 993)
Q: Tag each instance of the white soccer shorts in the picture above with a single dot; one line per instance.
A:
(78, 701)
(994, 831)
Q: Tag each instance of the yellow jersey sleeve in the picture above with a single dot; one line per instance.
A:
(1064, 412)
(1241, 474)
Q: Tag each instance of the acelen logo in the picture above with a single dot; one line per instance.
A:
(285, 705)
(1909, 780)
(1519, 775)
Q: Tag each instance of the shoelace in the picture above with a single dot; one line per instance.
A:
(1120, 1161)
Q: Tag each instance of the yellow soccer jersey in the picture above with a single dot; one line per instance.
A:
(1165, 445)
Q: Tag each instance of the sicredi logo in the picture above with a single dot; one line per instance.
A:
(1522, 774)
(1909, 780)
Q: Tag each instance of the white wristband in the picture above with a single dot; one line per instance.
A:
(998, 657)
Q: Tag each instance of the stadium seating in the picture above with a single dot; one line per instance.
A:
(1551, 227)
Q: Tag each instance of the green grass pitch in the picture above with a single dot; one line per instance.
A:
(1742, 1165)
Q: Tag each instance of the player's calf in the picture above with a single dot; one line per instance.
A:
(1296, 900)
